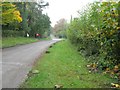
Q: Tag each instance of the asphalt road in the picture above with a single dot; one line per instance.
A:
(17, 62)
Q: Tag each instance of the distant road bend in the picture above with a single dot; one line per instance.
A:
(18, 60)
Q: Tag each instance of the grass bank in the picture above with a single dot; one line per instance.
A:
(13, 41)
(64, 66)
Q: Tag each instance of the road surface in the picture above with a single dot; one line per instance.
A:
(17, 62)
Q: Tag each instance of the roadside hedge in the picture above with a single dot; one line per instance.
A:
(12, 33)
(96, 33)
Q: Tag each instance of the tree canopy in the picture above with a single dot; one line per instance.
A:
(9, 13)
(25, 16)
(60, 27)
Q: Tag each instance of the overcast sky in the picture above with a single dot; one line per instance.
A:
(64, 9)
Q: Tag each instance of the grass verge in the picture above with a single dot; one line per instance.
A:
(13, 41)
(64, 66)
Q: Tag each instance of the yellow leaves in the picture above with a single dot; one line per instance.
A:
(92, 67)
(8, 10)
(102, 10)
(110, 16)
(17, 16)
(114, 23)
(116, 67)
(19, 19)
(114, 72)
(118, 28)
(10, 14)
(115, 85)
(107, 69)
(16, 12)
(7, 5)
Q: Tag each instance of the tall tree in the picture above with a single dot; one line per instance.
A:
(9, 13)
(31, 13)
(60, 28)
(31, 17)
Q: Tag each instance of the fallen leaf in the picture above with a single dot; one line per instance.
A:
(115, 85)
(35, 71)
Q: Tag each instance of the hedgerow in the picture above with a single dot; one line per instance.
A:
(13, 33)
(96, 33)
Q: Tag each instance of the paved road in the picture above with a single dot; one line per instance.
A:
(18, 60)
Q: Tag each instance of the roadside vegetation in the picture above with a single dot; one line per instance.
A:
(63, 65)
(23, 22)
(96, 34)
(22, 18)
(13, 41)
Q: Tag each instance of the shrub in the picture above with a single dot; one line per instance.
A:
(96, 31)
(12, 33)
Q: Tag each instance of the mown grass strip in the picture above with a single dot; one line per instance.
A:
(64, 66)
(13, 41)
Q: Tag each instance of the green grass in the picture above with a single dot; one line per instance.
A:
(65, 66)
(12, 41)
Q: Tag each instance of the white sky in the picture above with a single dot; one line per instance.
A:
(64, 9)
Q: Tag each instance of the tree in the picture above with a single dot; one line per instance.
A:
(96, 33)
(33, 21)
(33, 18)
(60, 28)
(9, 13)
(38, 22)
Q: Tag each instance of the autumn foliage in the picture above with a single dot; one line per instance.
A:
(9, 13)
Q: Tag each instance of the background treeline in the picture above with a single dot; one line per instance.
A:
(59, 29)
(96, 33)
(20, 18)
